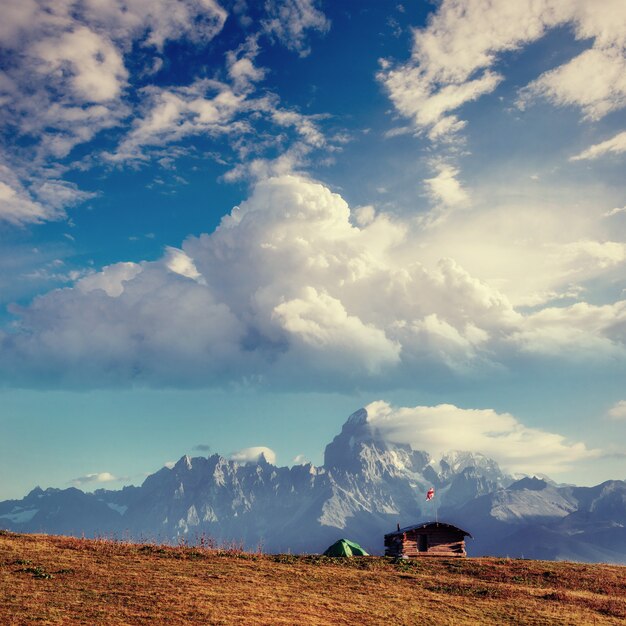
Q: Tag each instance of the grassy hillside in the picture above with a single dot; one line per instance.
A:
(62, 580)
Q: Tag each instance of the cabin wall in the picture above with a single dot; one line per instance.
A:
(440, 543)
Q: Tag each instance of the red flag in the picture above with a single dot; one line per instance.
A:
(430, 494)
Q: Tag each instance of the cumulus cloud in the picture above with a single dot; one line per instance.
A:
(618, 411)
(614, 145)
(521, 247)
(178, 326)
(500, 436)
(453, 57)
(293, 289)
(99, 477)
(254, 455)
(110, 280)
(581, 331)
(179, 263)
(289, 20)
(319, 323)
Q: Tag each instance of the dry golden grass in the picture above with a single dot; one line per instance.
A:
(63, 580)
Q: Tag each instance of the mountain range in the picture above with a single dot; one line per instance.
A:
(365, 487)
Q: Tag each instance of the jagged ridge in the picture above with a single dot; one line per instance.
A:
(365, 486)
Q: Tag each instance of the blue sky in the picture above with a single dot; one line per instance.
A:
(226, 225)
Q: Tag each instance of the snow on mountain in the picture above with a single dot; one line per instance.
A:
(364, 488)
(19, 515)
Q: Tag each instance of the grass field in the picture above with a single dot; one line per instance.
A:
(63, 580)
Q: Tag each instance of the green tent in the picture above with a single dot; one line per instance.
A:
(344, 547)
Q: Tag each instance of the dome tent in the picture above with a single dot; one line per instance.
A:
(344, 547)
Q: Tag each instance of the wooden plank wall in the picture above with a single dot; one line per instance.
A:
(440, 543)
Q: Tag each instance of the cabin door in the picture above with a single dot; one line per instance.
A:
(423, 543)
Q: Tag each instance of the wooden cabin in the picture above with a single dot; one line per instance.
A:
(429, 539)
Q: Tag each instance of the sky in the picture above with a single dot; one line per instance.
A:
(226, 225)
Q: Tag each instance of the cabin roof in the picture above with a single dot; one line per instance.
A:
(429, 526)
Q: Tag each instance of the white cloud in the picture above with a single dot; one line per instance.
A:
(65, 78)
(319, 323)
(444, 189)
(44, 200)
(595, 81)
(293, 290)
(171, 114)
(300, 459)
(614, 145)
(291, 161)
(460, 41)
(289, 21)
(55, 272)
(179, 263)
(59, 194)
(600, 254)
(18, 207)
(580, 331)
(241, 68)
(217, 109)
(155, 22)
(110, 280)
(521, 248)
(100, 477)
(618, 410)
(94, 64)
(500, 436)
(415, 98)
(453, 56)
(253, 455)
(304, 125)
(67, 70)
(615, 211)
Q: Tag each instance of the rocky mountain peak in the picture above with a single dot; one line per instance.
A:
(184, 463)
(367, 485)
(360, 448)
(358, 418)
(531, 483)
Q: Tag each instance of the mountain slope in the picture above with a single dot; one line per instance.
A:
(106, 582)
(365, 487)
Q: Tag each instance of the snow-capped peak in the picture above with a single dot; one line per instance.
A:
(183, 463)
(455, 461)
